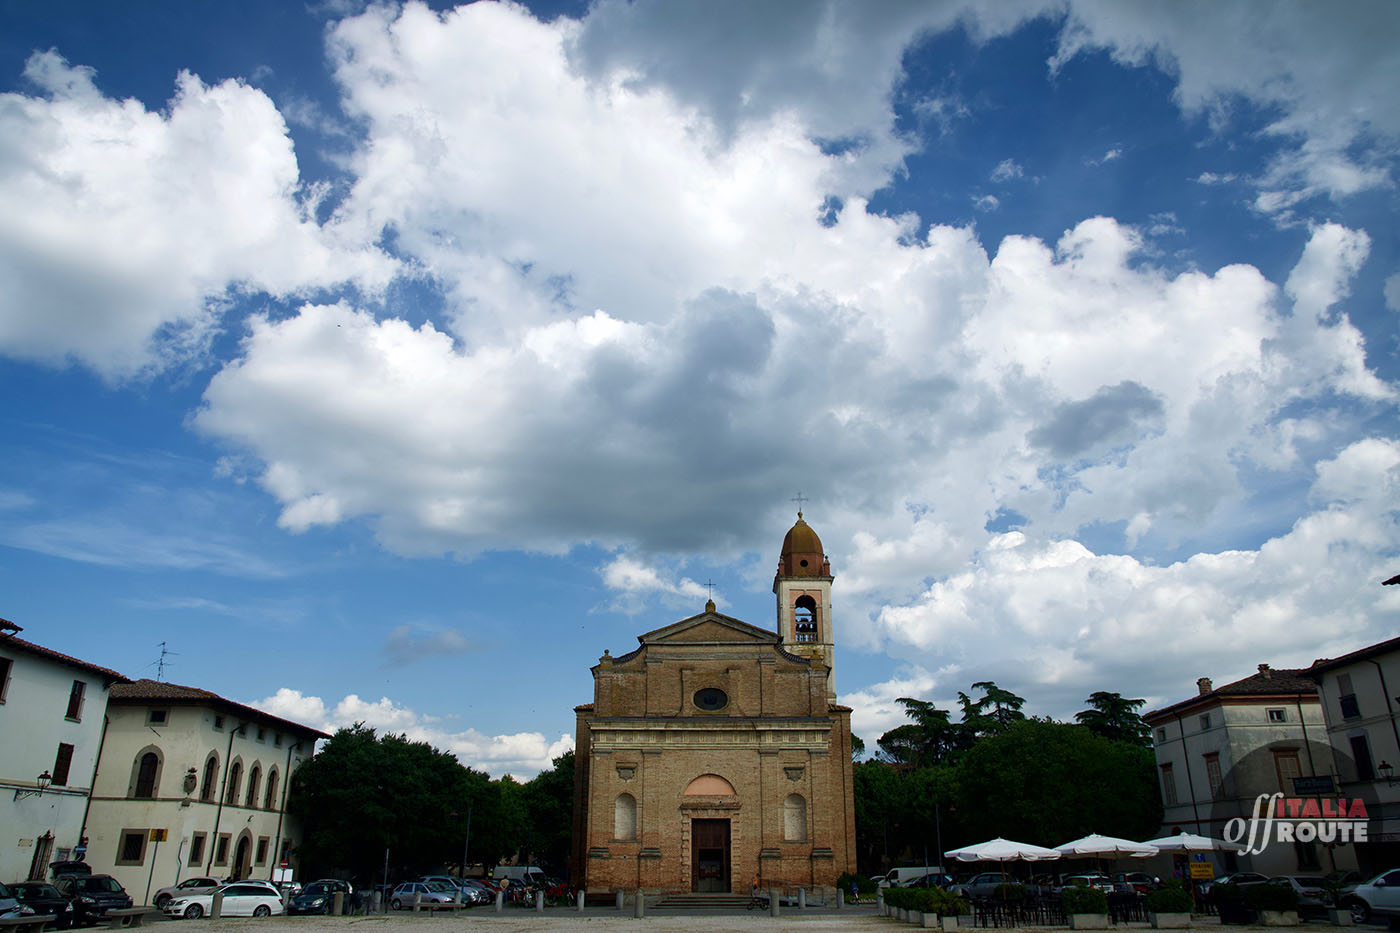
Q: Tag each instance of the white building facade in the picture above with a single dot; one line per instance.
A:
(1360, 694)
(1218, 751)
(51, 717)
(190, 783)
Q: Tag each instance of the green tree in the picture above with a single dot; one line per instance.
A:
(992, 714)
(931, 737)
(549, 807)
(363, 793)
(1047, 782)
(1114, 717)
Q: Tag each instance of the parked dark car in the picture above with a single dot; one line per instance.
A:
(92, 896)
(44, 898)
(316, 898)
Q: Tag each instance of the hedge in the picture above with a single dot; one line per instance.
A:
(1085, 901)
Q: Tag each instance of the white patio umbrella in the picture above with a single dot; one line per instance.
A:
(1002, 850)
(1094, 845)
(1190, 842)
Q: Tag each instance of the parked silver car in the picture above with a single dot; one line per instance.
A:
(1379, 897)
(188, 886)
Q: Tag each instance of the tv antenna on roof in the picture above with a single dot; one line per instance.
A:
(161, 662)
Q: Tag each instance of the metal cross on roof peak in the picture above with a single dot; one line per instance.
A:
(799, 499)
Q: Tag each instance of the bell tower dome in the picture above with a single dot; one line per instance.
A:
(803, 587)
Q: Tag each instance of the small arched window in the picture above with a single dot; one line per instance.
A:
(254, 779)
(271, 802)
(625, 817)
(795, 818)
(235, 779)
(147, 773)
(211, 778)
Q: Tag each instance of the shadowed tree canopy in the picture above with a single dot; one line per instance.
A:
(1114, 717)
(1047, 782)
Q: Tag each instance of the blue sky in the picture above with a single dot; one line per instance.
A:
(390, 363)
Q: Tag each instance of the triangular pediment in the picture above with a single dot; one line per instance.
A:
(712, 628)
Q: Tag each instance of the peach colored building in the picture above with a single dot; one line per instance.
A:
(715, 751)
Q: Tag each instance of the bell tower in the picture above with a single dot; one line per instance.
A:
(803, 587)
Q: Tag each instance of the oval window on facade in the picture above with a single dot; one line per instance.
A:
(711, 698)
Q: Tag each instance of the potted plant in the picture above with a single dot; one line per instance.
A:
(1087, 908)
(1229, 903)
(1337, 915)
(1276, 904)
(945, 906)
(1170, 906)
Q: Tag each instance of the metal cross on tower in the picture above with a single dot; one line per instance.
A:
(799, 499)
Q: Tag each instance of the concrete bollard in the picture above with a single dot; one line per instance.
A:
(840, 898)
(539, 902)
(801, 898)
(417, 902)
(500, 901)
(639, 908)
(216, 906)
(619, 900)
(772, 902)
(376, 903)
(580, 897)
(880, 902)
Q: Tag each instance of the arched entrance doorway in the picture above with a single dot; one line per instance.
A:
(242, 862)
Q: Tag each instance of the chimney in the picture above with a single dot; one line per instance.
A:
(1204, 686)
(1265, 670)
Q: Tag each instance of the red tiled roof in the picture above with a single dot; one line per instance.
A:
(1282, 682)
(1360, 654)
(11, 641)
(157, 691)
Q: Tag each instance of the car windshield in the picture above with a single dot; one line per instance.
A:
(31, 891)
(442, 887)
(99, 885)
(316, 889)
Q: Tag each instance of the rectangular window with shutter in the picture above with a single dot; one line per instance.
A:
(1213, 777)
(61, 763)
(1168, 785)
(197, 848)
(1287, 766)
(6, 665)
(75, 701)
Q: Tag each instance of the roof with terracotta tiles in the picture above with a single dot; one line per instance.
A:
(1268, 682)
(147, 691)
(11, 642)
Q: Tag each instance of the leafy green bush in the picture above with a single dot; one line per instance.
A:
(927, 900)
(1271, 897)
(1085, 901)
(1225, 891)
(1173, 898)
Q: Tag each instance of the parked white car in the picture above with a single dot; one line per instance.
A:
(1379, 897)
(241, 899)
(186, 888)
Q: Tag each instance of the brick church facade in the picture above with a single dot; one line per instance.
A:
(716, 750)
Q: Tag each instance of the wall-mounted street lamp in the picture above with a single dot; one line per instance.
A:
(44, 780)
(1387, 771)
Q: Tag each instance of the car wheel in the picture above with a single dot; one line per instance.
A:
(1360, 911)
(162, 900)
(262, 910)
(194, 912)
(396, 904)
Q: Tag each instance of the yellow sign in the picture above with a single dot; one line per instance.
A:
(1202, 870)
(157, 835)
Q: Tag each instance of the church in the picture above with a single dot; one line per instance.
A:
(715, 751)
